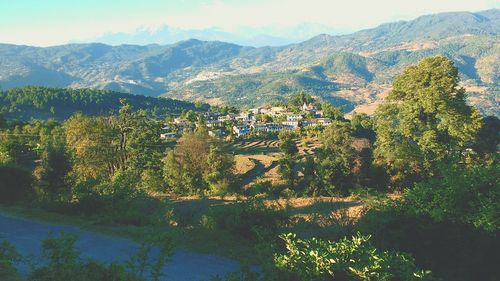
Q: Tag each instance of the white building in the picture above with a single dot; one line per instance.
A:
(277, 110)
(217, 133)
(256, 110)
(213, 123)
(211, 115)
(228, 117)
(273, 127)
(291, 124)
(245, 117)
(259, 127)
(168, 136)
(294, 117)
(307, 107)
(317, 122)
(180, 122)
(241, 130)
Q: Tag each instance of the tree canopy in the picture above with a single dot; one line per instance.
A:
(424, 119)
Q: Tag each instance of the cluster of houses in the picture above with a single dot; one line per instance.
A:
(248, 121)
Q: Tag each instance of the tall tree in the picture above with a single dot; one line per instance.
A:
(54, 165)
(94, 144)
(288, 162)
(424, 119)
(197, 162)
(336, 157)
(287, 144)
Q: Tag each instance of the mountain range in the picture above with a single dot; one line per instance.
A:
(245, 36)
(353, 71)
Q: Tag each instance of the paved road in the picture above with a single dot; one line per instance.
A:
(26, 235)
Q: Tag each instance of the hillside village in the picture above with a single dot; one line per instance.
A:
(255, 121)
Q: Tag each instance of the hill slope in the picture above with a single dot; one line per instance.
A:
(348, 70)
(44, 103)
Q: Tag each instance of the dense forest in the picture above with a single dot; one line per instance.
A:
(426, 177)
(44, 103)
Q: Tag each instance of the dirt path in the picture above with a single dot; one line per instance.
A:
(27, 235)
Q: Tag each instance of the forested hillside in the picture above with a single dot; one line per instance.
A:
(351, 70)
(43, 103)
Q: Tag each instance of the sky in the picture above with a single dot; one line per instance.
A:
(55, 22)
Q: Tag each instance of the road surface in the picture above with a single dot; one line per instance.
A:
(27, 235)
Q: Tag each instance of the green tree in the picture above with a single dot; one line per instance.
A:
(219, 168)
(332, 112)
(287, 144)
(423, 119)
(336, 157)
(299, 99)
(287, 164)
(95, 147)
(197, 162)
(172, 172)
(466, 195)
(3, 123)
(287, 171)
(311, 182)
(61, 262)
(488, 137)
(362, 126)
(55, 164)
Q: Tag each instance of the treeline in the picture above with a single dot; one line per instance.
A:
(43, 103)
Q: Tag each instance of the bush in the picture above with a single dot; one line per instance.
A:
(348, 259)
(452, 251)
(469, 196)
(16, 184)
(251, 220)
(8, 256)
(119, 201)
(62, 262)
(448, 222)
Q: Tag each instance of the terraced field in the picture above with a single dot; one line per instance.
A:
(257, 160)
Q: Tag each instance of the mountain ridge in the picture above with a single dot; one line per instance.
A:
(221, 72)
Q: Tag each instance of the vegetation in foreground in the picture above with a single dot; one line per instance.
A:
(424, 142)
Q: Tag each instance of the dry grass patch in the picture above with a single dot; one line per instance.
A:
(243, 164)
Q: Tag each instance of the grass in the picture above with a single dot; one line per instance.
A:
(243, 164)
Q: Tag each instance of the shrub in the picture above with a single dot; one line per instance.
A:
(449, 223)
(251, 220)
(62, 262)
(348, 259)
(8, 256)
(452, 251)
(470, 196)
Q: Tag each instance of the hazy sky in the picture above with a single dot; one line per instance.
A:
(51, 22)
